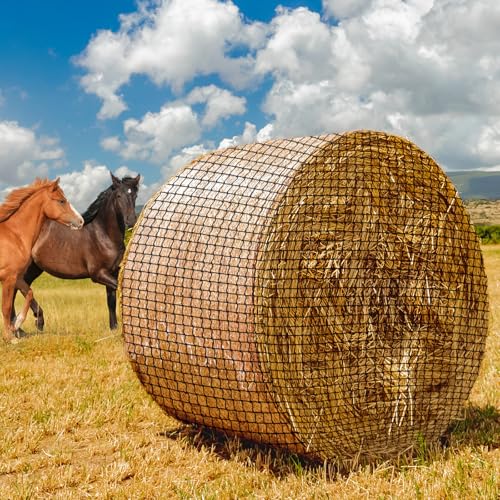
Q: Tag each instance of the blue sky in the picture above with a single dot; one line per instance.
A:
(143, 87)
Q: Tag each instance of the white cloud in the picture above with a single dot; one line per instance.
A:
(111, 143)
(220, 103)
(106, 60)
(25, 155)
(156, 135)
(313, 108)
(249, 135)
(396, 19)
(190, 153)
(299, 48)
(341, 9)
(82, 187)
(488, 144)
(185, 156)
(426, 69)
(171, 42)
(450, 141)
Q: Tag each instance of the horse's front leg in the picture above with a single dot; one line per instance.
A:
(31, 274)
(111, 298)
(28, 298)
(106, 278)
(8, 289)
(110, 281)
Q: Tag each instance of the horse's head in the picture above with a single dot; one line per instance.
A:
(125, 194)
(58, 208)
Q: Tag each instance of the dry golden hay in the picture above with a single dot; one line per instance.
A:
(326, 294)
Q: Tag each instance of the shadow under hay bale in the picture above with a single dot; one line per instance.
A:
(326, 294)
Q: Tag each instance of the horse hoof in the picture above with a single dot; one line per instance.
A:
(19, 333)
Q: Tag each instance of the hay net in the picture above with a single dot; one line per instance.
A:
(326, 294)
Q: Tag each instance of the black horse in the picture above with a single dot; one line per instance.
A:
(94, 252)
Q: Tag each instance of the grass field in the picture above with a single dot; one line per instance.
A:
(76, 423)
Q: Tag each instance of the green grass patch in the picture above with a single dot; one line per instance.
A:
(489, 234)
(479, 427)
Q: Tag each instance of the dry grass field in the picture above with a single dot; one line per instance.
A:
(76, 423)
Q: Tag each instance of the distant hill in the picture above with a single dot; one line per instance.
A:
(476, 184)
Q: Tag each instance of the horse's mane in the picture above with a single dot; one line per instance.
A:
(18, 196)
(95, 206)
(93, 209)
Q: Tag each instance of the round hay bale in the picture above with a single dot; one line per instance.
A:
(326, 294)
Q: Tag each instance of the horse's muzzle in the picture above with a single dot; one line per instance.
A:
(76, 224)
(130, 222)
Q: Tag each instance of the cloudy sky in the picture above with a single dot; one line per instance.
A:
(145, 86)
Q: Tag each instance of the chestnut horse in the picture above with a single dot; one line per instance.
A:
(21, 218)
(94, 252)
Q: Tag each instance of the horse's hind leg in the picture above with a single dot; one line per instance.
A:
(38, 313)
(28, 298)
(31, 275)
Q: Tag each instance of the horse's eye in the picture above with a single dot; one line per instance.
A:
(62, 202)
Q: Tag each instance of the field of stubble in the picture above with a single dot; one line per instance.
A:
(76, 423)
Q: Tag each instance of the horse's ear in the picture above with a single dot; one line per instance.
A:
(137, 179)
(116, 181)
(55, 184)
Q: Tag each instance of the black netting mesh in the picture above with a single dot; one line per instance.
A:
(326, 294)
